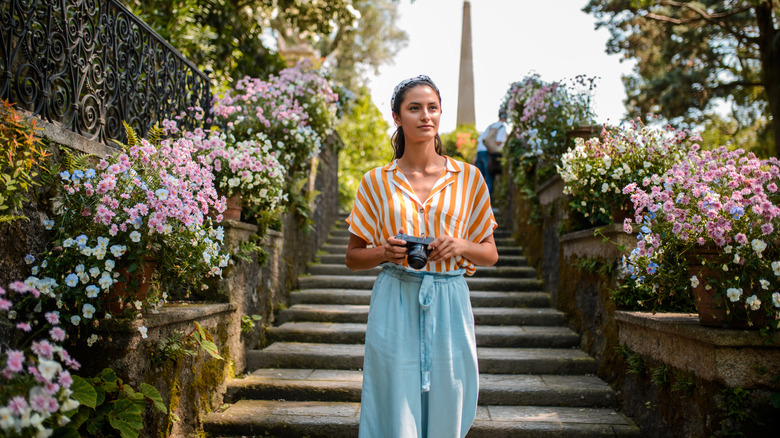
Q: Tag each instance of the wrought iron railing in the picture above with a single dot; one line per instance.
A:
(87, 65)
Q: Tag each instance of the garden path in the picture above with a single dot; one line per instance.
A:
(534, 381)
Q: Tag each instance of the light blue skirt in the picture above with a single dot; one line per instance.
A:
(420, 376)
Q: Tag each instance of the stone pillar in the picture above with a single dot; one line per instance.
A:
(466, 81)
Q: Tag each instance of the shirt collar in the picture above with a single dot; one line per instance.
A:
(453, 165)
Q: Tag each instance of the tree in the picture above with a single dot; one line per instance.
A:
(693, 55)
(226, 36)
(366, 145)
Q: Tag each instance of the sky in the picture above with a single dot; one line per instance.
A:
(510, 39)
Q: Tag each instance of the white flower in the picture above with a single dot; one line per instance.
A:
(92, 339)
(81, 240)
(605, 187)
(49, 368)
(764, 284)
(162, 194)
(753, 302)
(727, 249)
(758, 245)
(206, 257)
(92, 291)
(85, 250)
(776, 299)
(105, 281)
(94, 271)
(725, 268)
(72, 280)
(79, 268)
(736, 257)
(118, 250)
(29, 259)
(110, 264)
(48, 224)
(143, 331)
(99, 252)
(7, 419)
(776, 268)
(34, 270)
(733, 294)
(135, 236)
(69, 405)
(103, 242)
(75, 319)
(138, 304)
(67, 243)
(694, 282)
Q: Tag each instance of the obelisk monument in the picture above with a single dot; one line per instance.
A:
(466, 81)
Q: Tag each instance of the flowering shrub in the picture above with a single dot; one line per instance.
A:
(35, 381)
(596, 170)
(542, 113)
(150, 201)
(293, 111)
(726, 201)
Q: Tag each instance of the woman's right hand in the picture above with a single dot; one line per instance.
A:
(395, 249)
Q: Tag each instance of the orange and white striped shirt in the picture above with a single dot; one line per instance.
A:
(458, 206)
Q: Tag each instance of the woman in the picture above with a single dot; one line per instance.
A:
(420, 376)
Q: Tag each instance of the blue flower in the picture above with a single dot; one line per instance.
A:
(90, 173)
(737, 212)
(645, 229)
(72, 280)
(651, 267)
(77, 175)
(65, 175)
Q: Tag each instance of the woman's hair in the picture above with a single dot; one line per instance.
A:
(397, 139)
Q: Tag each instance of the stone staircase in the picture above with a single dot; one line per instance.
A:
(534, 379)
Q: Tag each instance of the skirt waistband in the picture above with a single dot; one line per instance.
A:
(402, 273)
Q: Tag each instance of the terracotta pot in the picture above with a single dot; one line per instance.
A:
(233, 208)
(140, 279)
(712, 309)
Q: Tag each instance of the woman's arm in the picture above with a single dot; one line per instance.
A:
(359, 257)
(483, 253)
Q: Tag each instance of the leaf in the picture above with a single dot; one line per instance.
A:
(774, 399)
(204, 334)
(83, 392)
(211, 348)
(153, 394)
(65, 432)
(82, 415)
(101, 395)
(126, 418)
(108, 375)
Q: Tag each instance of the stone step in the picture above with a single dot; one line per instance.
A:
(367, 282)
(340, 269)
(478, 298)
(341, 419)
(359, 313)
(342, 249)
(487, 336)
(494, 389)
(491, 360)
(503, 260)
(344, 240)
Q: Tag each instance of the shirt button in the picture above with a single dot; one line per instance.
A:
(422, 210)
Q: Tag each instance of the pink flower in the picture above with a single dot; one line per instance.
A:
(17, 405)
(15, 360)
(53, 317)
(57, 334)
(43, 349)
(741, 238)
(24, 326)
(767, 229)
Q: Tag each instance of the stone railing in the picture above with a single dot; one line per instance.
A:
(89, 65)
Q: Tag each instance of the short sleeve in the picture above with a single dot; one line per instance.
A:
(362, 220)
(481, 221)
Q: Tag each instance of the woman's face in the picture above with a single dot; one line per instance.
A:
(420, 114)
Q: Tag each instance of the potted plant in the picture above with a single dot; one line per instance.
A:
(140, 211)
(715, 213)
(595, 171)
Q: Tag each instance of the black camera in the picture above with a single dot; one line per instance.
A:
(416, 249)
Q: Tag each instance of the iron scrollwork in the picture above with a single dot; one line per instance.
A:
(87, 65)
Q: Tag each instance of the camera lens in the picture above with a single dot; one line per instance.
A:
(417, 257)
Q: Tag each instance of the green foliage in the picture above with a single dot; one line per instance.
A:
(22, 155)
(109, 407)
(660, 376)
(636, 363)
(684, 383)
(693, 56)
(248, 322)
(461, 143)
(179, 345)
(249, 250)
(366, 145)
(739, 414)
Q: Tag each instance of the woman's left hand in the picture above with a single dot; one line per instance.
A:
(445, 247)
